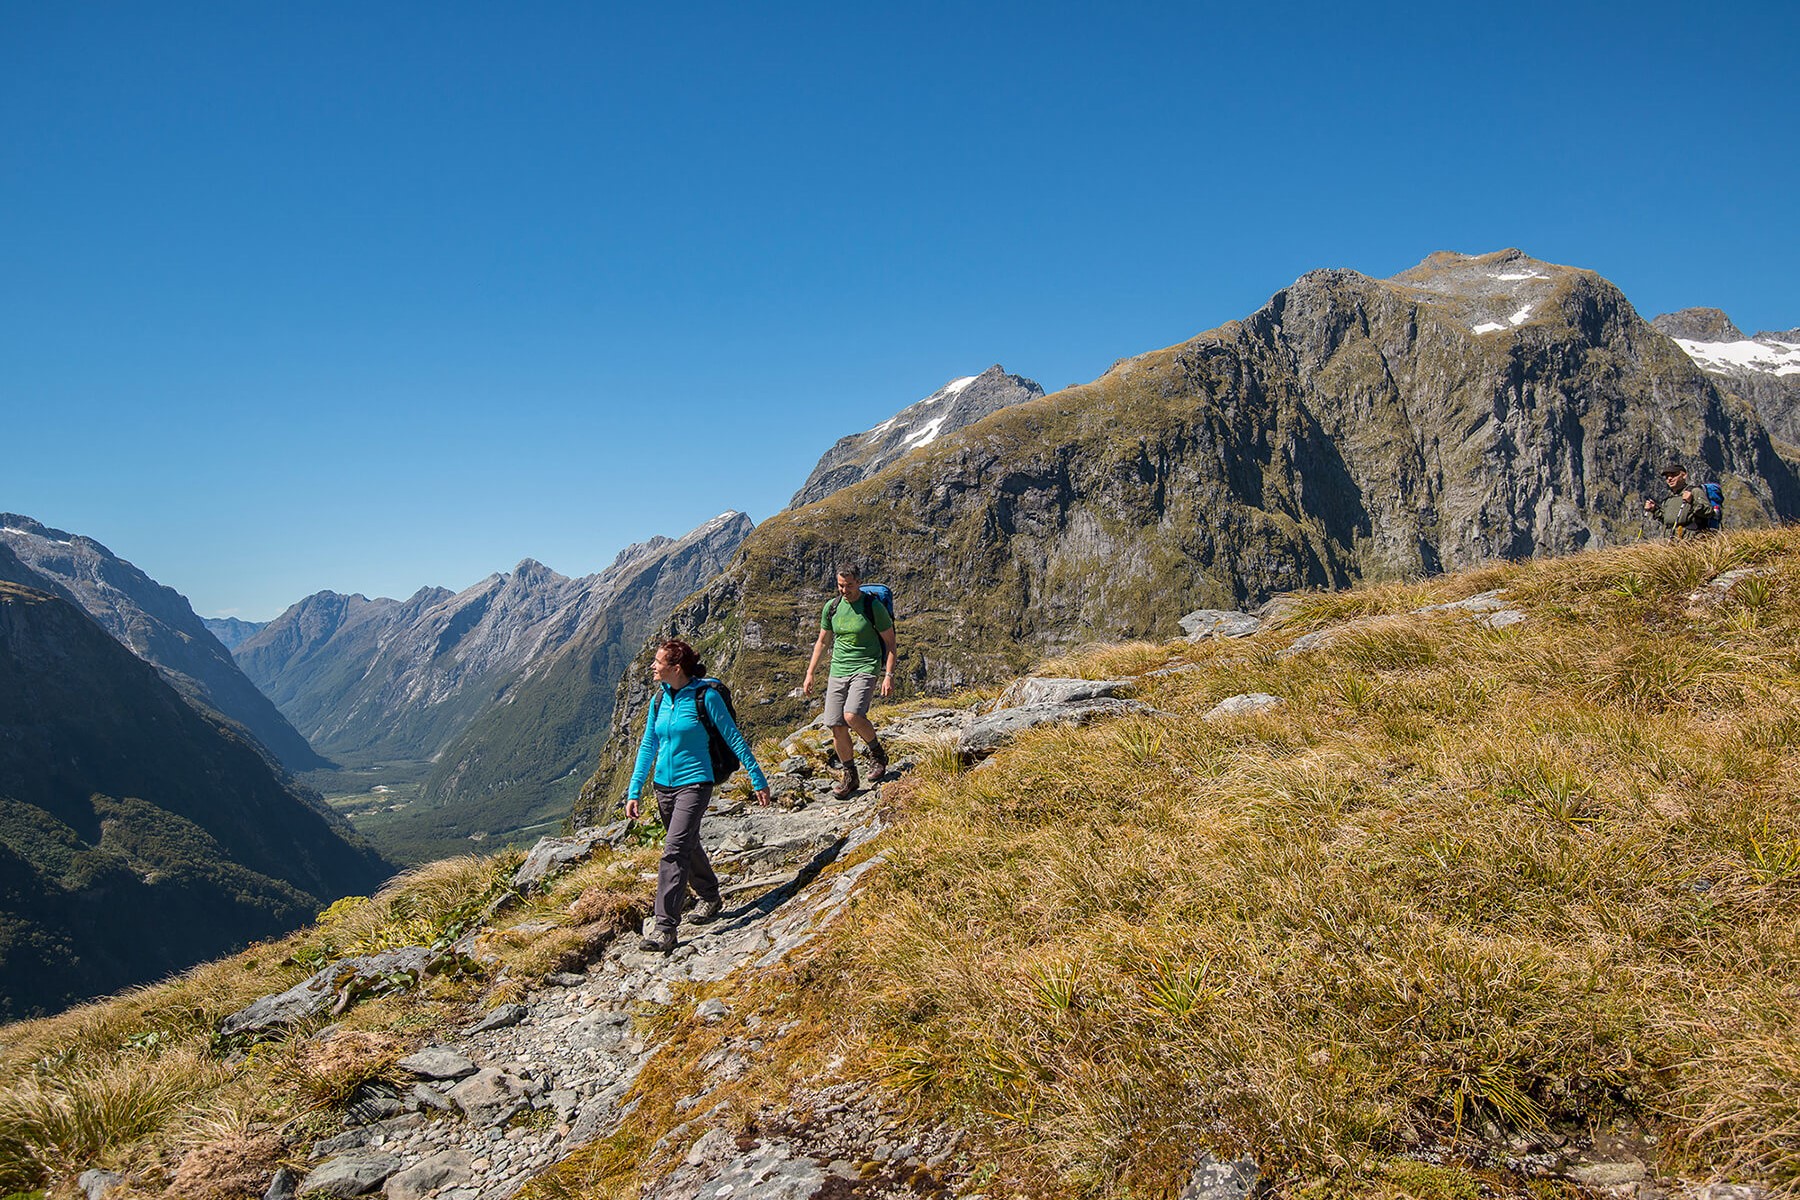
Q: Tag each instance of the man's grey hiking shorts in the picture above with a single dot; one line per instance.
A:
(848, 694)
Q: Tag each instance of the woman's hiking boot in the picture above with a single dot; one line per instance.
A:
(848, 785)
(658, 941)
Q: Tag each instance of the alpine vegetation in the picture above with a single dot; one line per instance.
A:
(1477, 885)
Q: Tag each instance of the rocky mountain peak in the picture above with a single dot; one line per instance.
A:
(958, 404)
(1715, 344)
(19, 524)
(1698, 325)
(1489, 293)
(1764, 370)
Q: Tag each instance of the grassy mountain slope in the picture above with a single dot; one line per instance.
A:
(139, 835)
(1467, 893)
(1351, 428)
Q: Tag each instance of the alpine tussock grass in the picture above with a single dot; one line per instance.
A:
(1465, 884)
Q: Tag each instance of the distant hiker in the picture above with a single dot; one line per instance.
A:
(1690, 508)
(678, 743)
(861, 630)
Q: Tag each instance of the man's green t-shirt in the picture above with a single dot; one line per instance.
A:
(855, 640)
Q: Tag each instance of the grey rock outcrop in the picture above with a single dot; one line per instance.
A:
(154, 622)
(332, 988)
(1036, 701)
(492, 1096)
(98, 1184)
(437, 1062)
(957, 404)
(1218, 623)
(1215, 1179)
(451, 1168)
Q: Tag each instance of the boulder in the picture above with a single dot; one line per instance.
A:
(501, 1018)
(1037, 690)
(451, 1168)
(96, 1184)
(551, 855)
(355, 1174)
(492, 1096)
(437, 1062)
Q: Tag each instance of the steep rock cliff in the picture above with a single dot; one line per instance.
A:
(1471, 408)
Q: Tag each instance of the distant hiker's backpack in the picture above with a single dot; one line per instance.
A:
(724, 758)
(1715, 504)
(870, 592)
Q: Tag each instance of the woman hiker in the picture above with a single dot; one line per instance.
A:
(675, 742)
(862, 637)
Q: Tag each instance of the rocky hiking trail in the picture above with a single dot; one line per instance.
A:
(529, 1082)
(569, 1054)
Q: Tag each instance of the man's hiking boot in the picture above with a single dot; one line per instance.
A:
(848, 785)
(879, 760)
(704, 911)
(658, 941)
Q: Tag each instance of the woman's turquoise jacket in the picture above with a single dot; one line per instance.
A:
(675, 741)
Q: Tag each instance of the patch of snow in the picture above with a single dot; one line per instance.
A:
(924, 435)
(1489, 327)
(1769, 358)
(881, 427)
(1512, 276)
(957, 385)
(1520, 316)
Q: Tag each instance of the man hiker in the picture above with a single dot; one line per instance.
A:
(861, 631)
(1687, 510)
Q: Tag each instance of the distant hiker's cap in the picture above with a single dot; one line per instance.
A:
(1673, 468)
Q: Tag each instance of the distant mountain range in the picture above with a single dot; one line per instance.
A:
(155, 622)
(456, 680)
(139, 833)
(230, 631)
(1472, 408)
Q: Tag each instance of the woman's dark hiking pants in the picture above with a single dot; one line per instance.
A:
(684, 859)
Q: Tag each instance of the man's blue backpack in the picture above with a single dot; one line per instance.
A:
(724, 758)
(870, 592)
(1715, 503)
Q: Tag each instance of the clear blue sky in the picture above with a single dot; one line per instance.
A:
(371, 296)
